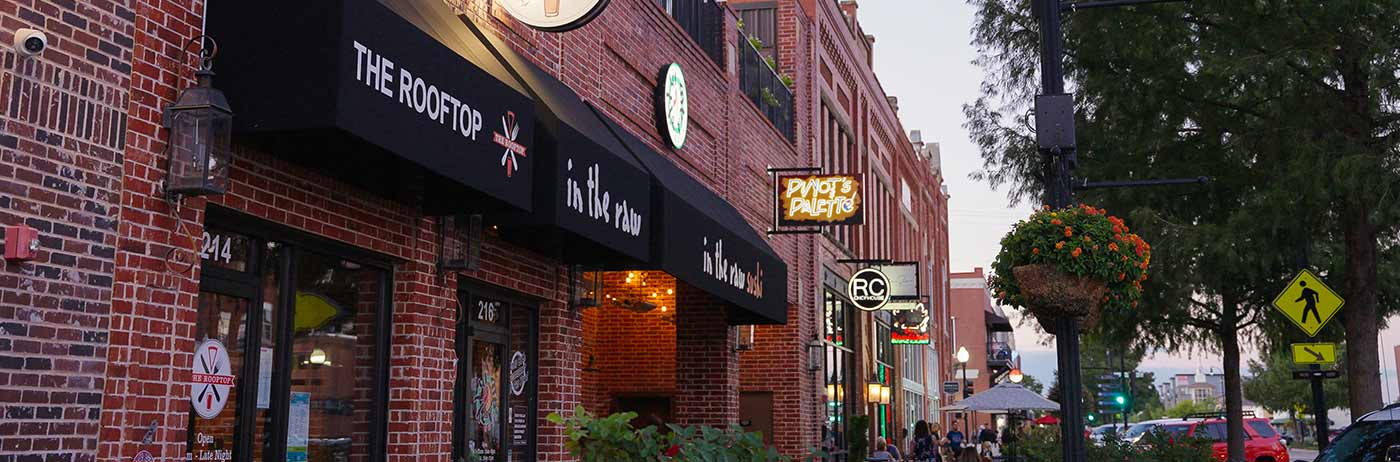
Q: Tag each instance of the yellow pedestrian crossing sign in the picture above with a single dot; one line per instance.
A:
(1305, 354)
(1308, 302)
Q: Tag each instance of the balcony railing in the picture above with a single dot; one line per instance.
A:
(765, 88)
(998, 354)
(703, 21)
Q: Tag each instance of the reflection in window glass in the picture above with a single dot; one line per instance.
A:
(838, 363)
(1364, 441)
(332, 360)
(213, 411)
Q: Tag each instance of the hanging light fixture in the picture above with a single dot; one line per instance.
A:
(884, 394)
(1016, 376)
(201, 133)
(872, 390)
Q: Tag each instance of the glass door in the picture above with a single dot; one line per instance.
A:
(291, 339)
(495, 404)
(232, 366)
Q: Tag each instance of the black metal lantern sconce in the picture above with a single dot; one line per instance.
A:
(201, 126)
(586, 287)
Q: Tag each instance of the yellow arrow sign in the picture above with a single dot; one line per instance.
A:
(1308, 302)
(1314, 353)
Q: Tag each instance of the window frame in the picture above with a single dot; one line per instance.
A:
(237, 283)
(466, 332)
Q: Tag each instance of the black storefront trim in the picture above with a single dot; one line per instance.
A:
(702, 240)
(355, 89)
(468, 289)
(248, 283)
(611, 225)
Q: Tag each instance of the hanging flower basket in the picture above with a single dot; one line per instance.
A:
(1074, 262)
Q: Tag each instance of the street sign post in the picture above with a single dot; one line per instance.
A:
(1308, 302)
(1314, 353)
(1316, 375)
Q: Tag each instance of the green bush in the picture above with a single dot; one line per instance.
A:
(612, 439)
(1042, 444)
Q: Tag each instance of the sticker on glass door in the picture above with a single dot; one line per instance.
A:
(211, 379)
(486, 400)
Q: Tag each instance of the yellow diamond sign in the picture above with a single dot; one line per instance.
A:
(1308, 302)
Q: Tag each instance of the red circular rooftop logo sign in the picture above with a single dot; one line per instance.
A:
(210, 379)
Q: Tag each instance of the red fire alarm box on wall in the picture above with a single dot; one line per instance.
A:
(21, 243)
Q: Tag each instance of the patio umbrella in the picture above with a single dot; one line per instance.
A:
(1047, 420)
(1008, 397)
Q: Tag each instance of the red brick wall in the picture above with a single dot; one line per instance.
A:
(62, 132)
(634, 353)
(707, 372)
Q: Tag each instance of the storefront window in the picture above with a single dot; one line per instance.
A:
(303, 383)
(839, 362)
(332, 383)
(496, 379)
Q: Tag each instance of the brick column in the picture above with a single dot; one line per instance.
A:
(707, 367)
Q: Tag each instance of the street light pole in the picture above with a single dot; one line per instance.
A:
(963, 357)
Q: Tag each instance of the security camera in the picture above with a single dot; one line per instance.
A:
(30, 42)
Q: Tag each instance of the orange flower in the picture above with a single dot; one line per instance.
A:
(1061, 245)
(1096, 247)
(1077, 251)
(1122, 276)
(1086, 239)
(1056, 222)
(1113, 247)
(1069, 231)
(1035, 250)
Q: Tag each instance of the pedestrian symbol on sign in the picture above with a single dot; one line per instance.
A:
(1309, 297)
(1308, 302)
(210, 379)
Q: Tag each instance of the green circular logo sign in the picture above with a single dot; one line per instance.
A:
(675, 105)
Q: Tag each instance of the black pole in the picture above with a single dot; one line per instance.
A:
(966, 415)
(1123, 384)
(1058, 195)
(1071, 389)
(1319, 402)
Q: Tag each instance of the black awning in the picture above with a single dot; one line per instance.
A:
(387, 98)
(589, 187)
(703, 240)
(997, 323)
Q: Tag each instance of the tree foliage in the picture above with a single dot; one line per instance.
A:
(1033, 384)
(1188, 407)
(1291, 109)
(1272, 386)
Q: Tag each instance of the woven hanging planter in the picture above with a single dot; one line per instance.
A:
(1050, 295)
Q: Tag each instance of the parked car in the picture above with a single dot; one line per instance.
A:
(1375, 437)
(1100, 432)
(1261, 442)
(1135, 431)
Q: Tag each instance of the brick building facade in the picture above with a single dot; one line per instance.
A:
(98, 334)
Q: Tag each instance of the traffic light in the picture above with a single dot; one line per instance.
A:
(1090, 417)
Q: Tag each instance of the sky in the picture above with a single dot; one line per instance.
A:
(924, 57)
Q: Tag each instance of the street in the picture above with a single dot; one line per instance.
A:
(1297, 454)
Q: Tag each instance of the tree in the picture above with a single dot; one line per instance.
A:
(1271, 385)
(1285, 105)
(1188, 407)
(1033, 384)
